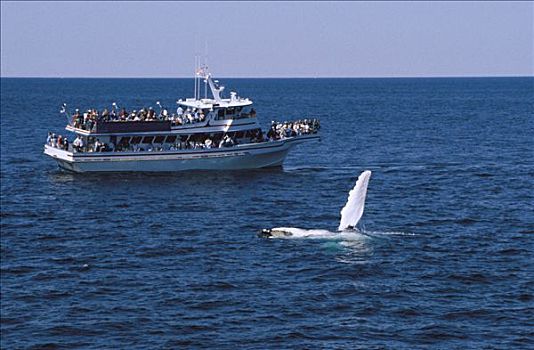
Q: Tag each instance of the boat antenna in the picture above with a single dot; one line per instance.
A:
(199, 72)
(199, 76)
(195, 76)
(205, 68)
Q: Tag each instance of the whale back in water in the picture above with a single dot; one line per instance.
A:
(352, 211)
(294, 232)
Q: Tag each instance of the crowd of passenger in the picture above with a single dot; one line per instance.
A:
(92, 144)
(58, 141)
(88, 120)
(183, 116)
(280, 130)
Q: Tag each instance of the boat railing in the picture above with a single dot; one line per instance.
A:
(181, 146)
(149, 148)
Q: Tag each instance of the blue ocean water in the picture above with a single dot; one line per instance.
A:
(137, 261)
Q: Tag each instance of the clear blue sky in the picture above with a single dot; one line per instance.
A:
(267, 39)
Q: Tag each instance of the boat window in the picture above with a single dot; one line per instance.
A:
(239, 134)
(159, 139)
(136, 139)
(245, 112)
(124, 140)
(148, 139)
(220, 113)
(171, 139)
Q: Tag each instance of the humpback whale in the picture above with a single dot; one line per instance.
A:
(351, 214)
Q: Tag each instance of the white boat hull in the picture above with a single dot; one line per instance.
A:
(251, 156)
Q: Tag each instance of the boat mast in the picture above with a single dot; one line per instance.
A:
(195, 77)
(199, 77)
(205, 83)
(205, 69)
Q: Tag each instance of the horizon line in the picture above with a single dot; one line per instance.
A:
(275, 77)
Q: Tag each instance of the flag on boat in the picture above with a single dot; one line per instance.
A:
(201, 70)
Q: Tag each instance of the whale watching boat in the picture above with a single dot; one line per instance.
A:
(204, 134)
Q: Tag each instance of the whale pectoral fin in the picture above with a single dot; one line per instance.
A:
(352, 211)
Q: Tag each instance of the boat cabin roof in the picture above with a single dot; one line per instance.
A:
(207, 103)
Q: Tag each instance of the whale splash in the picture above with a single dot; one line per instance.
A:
(350, 216)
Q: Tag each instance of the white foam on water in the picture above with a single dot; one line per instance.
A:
(389, 233)
(347, 235)
(352, 211)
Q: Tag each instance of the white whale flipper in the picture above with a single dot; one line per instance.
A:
(352, 211)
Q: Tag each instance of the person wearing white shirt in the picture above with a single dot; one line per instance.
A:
(97, 145)
(78, 144)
